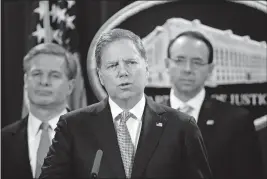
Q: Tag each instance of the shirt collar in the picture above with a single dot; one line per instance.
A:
(53, 122)
(137, 110)
(34, 123)
(194, 102)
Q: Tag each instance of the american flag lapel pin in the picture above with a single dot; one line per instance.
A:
(159, 124)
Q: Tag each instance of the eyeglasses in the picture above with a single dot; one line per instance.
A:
(181, 63)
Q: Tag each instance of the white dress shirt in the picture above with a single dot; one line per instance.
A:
(134, 125)
(195, 102)
(34, 135)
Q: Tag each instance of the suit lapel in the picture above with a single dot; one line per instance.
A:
(168, 102)
(208, 113)
(152, 128)
(104, 130)
(205, 113)
(21, 151)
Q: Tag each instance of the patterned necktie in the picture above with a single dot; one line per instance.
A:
(43, 148)
(125, 143)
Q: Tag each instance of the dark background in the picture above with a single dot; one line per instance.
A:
(16, 27)
(91, 15)
(241, 19)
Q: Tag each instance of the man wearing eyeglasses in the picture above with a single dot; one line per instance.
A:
(228, 131)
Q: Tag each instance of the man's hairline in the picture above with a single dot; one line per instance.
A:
(115, 40)
(196, 39)
(29, 61)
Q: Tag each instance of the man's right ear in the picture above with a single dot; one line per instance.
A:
(100, 76)
(25, 78)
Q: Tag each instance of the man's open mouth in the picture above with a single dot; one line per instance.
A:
(124, 85)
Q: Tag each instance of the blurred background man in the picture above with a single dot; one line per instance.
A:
(228, 131)
(49, 73)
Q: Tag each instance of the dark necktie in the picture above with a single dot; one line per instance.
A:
(43, 148)
(125, 143)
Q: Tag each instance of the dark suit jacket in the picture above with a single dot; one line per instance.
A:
(174, 150)
(15, 153)
(231, 142)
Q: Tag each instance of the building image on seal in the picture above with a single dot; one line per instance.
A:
(237, 59)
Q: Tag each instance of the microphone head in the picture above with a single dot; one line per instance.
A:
(99, 153)
(96, 164)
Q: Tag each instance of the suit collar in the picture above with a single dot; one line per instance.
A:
(137, 110)
(152, 128)
(206, 109)
(20, 139)
(103, 106)
(34, 123)
(155, 107)
(205, 112)
(105, 132)
(26, 118)
(194, 102)
(19, 126)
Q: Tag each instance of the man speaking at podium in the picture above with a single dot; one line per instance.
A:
(139, 138)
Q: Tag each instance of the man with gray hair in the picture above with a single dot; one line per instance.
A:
(138, 137)
(49, 73)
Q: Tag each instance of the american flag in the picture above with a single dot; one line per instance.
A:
(54, 21)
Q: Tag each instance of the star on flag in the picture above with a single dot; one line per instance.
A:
(57, 36)
(41, 9)
(54, 12)
(61, 20)
(70, 3)
(61, 15)
(39, 33)
(69, 21)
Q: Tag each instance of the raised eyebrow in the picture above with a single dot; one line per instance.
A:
(109, 62)
(130, 59)
(54, 71)
(36, 69)
(179, 57)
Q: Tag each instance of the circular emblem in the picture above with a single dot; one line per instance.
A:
(227, 25)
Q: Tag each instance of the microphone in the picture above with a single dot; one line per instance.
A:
(96, 165)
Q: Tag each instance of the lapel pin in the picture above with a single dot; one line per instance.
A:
(159, 124)
(210, 122)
